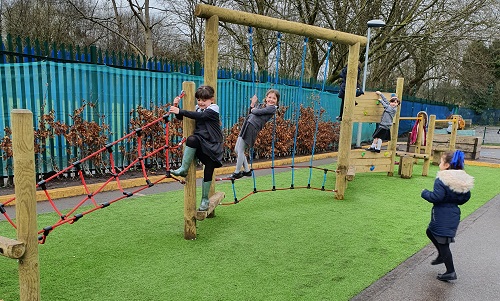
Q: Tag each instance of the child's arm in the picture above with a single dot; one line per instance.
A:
(437, 195)
(254, 102)
(383, 100)
(175, 108)
(210, 113)
(267, 110)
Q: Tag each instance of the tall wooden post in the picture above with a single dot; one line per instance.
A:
(25, 189)
(211, 61)
(428, 144)
(188, 125)
(395, 124)
(346, 125)
(454, 131)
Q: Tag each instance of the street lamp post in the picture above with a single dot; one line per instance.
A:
(374, 24)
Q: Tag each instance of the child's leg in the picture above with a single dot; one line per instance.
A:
(444, 250)
(192, 144)
(434, 242)
(208, 173)
(379, 144)
(241, 159)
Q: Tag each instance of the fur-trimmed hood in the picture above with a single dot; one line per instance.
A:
(457, 180)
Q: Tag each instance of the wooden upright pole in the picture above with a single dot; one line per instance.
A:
(428, 144)
(454, 129)
(346, 125)
(188, 125)
(211, 61)
(395, 124)
(25, 189)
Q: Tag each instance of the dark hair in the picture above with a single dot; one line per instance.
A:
(276, 92)
(455, 159)
(204, 92)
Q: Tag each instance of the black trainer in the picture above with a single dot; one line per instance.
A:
(237, 175)
(246, 173)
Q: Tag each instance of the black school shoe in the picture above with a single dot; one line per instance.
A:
(447, 276)
(375, 150)
(246, 173)
(237, 175)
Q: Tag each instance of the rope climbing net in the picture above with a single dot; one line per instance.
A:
(74, 214)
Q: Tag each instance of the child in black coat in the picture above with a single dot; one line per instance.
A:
(207, 140)
(451, 189)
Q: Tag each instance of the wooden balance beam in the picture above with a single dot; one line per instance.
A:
(214, 202)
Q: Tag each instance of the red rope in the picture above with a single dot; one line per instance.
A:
(70, 217)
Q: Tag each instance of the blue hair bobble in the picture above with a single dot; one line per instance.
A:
(458, 160)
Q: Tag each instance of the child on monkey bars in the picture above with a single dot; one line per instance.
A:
(383, 131)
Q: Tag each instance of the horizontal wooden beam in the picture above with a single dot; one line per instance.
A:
(11, 248)
(284, 26)
(413, 155)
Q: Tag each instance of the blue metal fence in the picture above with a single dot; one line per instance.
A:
(116, 92)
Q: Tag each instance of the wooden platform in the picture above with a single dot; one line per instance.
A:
(214, 202)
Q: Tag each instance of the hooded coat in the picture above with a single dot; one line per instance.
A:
(451, 189)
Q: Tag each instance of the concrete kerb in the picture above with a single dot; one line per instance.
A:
(59, 193)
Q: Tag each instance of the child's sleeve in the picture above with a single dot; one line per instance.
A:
(268, 110)
(437, 195)
(384, 101)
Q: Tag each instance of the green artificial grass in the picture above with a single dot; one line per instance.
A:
(298, 244)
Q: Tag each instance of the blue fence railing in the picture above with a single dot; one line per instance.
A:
(64, 87)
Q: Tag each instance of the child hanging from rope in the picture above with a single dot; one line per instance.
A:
(383, 131)
(207, 140)
(257, 117)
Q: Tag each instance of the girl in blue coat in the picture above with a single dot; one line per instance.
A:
(451, 189)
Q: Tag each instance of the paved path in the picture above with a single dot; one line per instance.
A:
(476, 256)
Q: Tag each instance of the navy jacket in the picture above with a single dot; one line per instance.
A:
(343, 76)
(451, 188)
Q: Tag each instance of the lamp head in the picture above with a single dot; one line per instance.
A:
(376, 23)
